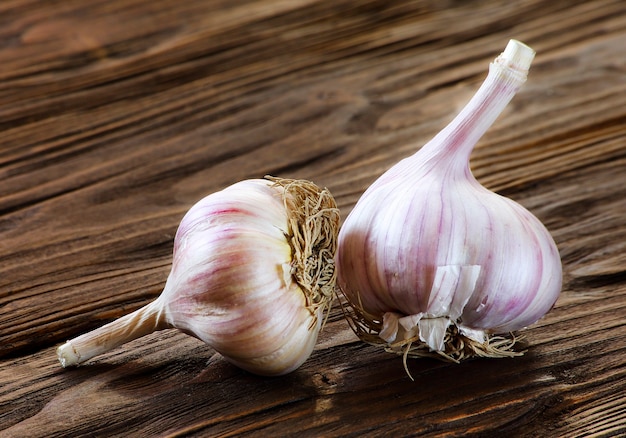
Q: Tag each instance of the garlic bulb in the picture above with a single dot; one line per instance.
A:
(252, 275)
(431, 262)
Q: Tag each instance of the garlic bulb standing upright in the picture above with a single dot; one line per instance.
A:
(252, 275)
(431, 262)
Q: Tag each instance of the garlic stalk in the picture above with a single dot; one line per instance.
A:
(252, 276)
(431, 262)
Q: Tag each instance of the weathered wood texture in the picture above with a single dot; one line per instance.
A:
(116, 116)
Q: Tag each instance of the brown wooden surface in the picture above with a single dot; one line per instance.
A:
(116, 116)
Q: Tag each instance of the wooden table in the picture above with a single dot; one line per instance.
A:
(116, 116)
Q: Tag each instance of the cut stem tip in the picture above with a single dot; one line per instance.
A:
(516, 56)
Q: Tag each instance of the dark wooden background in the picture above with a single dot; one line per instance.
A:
(116, 116)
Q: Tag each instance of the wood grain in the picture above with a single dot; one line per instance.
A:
(116, 116)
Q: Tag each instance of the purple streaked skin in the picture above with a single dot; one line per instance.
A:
(428, 212)
(219, 259)
(230, 286)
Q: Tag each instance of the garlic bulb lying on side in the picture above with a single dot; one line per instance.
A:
(431, 262)
(252, 275)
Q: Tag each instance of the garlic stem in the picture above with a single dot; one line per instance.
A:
(141, 322)
(506, 75)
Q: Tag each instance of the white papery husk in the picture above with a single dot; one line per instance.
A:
(253, 276)
(431, 263)
(268, 321)
(427, 335)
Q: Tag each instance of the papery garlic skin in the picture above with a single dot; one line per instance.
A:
(270, 331)
(427, 247)
(236, 279)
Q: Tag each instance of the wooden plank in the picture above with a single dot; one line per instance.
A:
(116, 116)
